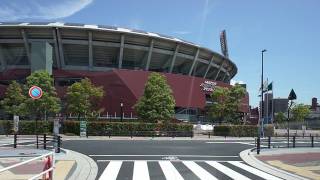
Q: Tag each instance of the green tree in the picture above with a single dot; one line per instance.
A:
(49, 103)
(14, 100)
(226, 102)
(299, 112)
(280, 117)
(157, 102)
(83, 98)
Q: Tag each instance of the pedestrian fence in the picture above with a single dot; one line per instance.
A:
(46, 141)
(294, 141)
(48, 168)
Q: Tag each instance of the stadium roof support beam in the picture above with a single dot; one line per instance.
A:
(56, 48)
(2, 61)
(225, 76)
(174, 57)
(149, 55)
(26, 44)
(217, 75)
(208, 68)
(194, 61)
(121, 51)
(90, 49)
(60, 48)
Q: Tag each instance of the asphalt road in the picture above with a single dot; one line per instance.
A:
(166, 159)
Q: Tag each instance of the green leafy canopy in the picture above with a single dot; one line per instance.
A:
(300, 112)
(49, 103)
(226, 102)
(157, 102)
(83, 98)
(14, 100)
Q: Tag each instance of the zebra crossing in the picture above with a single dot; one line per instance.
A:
(179, 170)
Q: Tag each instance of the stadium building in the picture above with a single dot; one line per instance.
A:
(118, 59)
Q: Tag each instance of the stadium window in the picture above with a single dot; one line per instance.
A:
(67, 81)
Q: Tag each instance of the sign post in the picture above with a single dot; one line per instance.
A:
(15, 124)
(56, 126)
(83, 128)
(35, 93)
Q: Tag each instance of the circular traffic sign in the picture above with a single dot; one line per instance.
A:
(35, 92)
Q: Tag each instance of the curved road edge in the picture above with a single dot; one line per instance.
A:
(86, 167)
(248, 157)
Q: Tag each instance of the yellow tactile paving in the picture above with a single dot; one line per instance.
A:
(10, 176)
(302, 171)
(62, 169)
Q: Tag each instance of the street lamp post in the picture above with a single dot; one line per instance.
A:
(261, 109)
(121, 108)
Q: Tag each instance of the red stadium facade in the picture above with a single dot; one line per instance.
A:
(117, 59)
(126, 86)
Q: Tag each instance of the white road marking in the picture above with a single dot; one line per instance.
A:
(134, 160)
(140, 171)
(254, 171)
(165, 155)
(169, 171)
(227, 171)
(246, 143)
(112, 170)
(199, 171)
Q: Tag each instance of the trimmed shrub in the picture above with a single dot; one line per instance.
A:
(236, 130)
(6, 127)
(100, 128)
(268, 130)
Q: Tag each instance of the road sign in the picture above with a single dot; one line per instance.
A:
(35, 92)
(292, 95)
(83, 128)
(16, 124)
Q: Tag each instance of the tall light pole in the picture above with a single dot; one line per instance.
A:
(261, 109)
(121, 109)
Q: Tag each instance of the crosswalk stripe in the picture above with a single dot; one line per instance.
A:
(227, 171)
(199, 171)
(112, 170)
(254, 171)
(169, 171)
(140, 171)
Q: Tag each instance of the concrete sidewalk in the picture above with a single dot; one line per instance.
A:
(68, 165)
(204, 138)
(292, 163)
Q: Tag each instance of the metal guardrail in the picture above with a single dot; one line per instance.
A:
(289, 142)
(45, 140)
(48, 170)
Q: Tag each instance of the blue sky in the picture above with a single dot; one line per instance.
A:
(288, 29)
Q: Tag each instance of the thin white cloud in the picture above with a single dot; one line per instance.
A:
(182, 32)
(203, 20)
(13, 10)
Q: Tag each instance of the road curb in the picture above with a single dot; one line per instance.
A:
(247, 157)
(86, 168)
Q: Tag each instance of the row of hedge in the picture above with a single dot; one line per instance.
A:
(103, 128)
(241, 130)
(96, 128)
